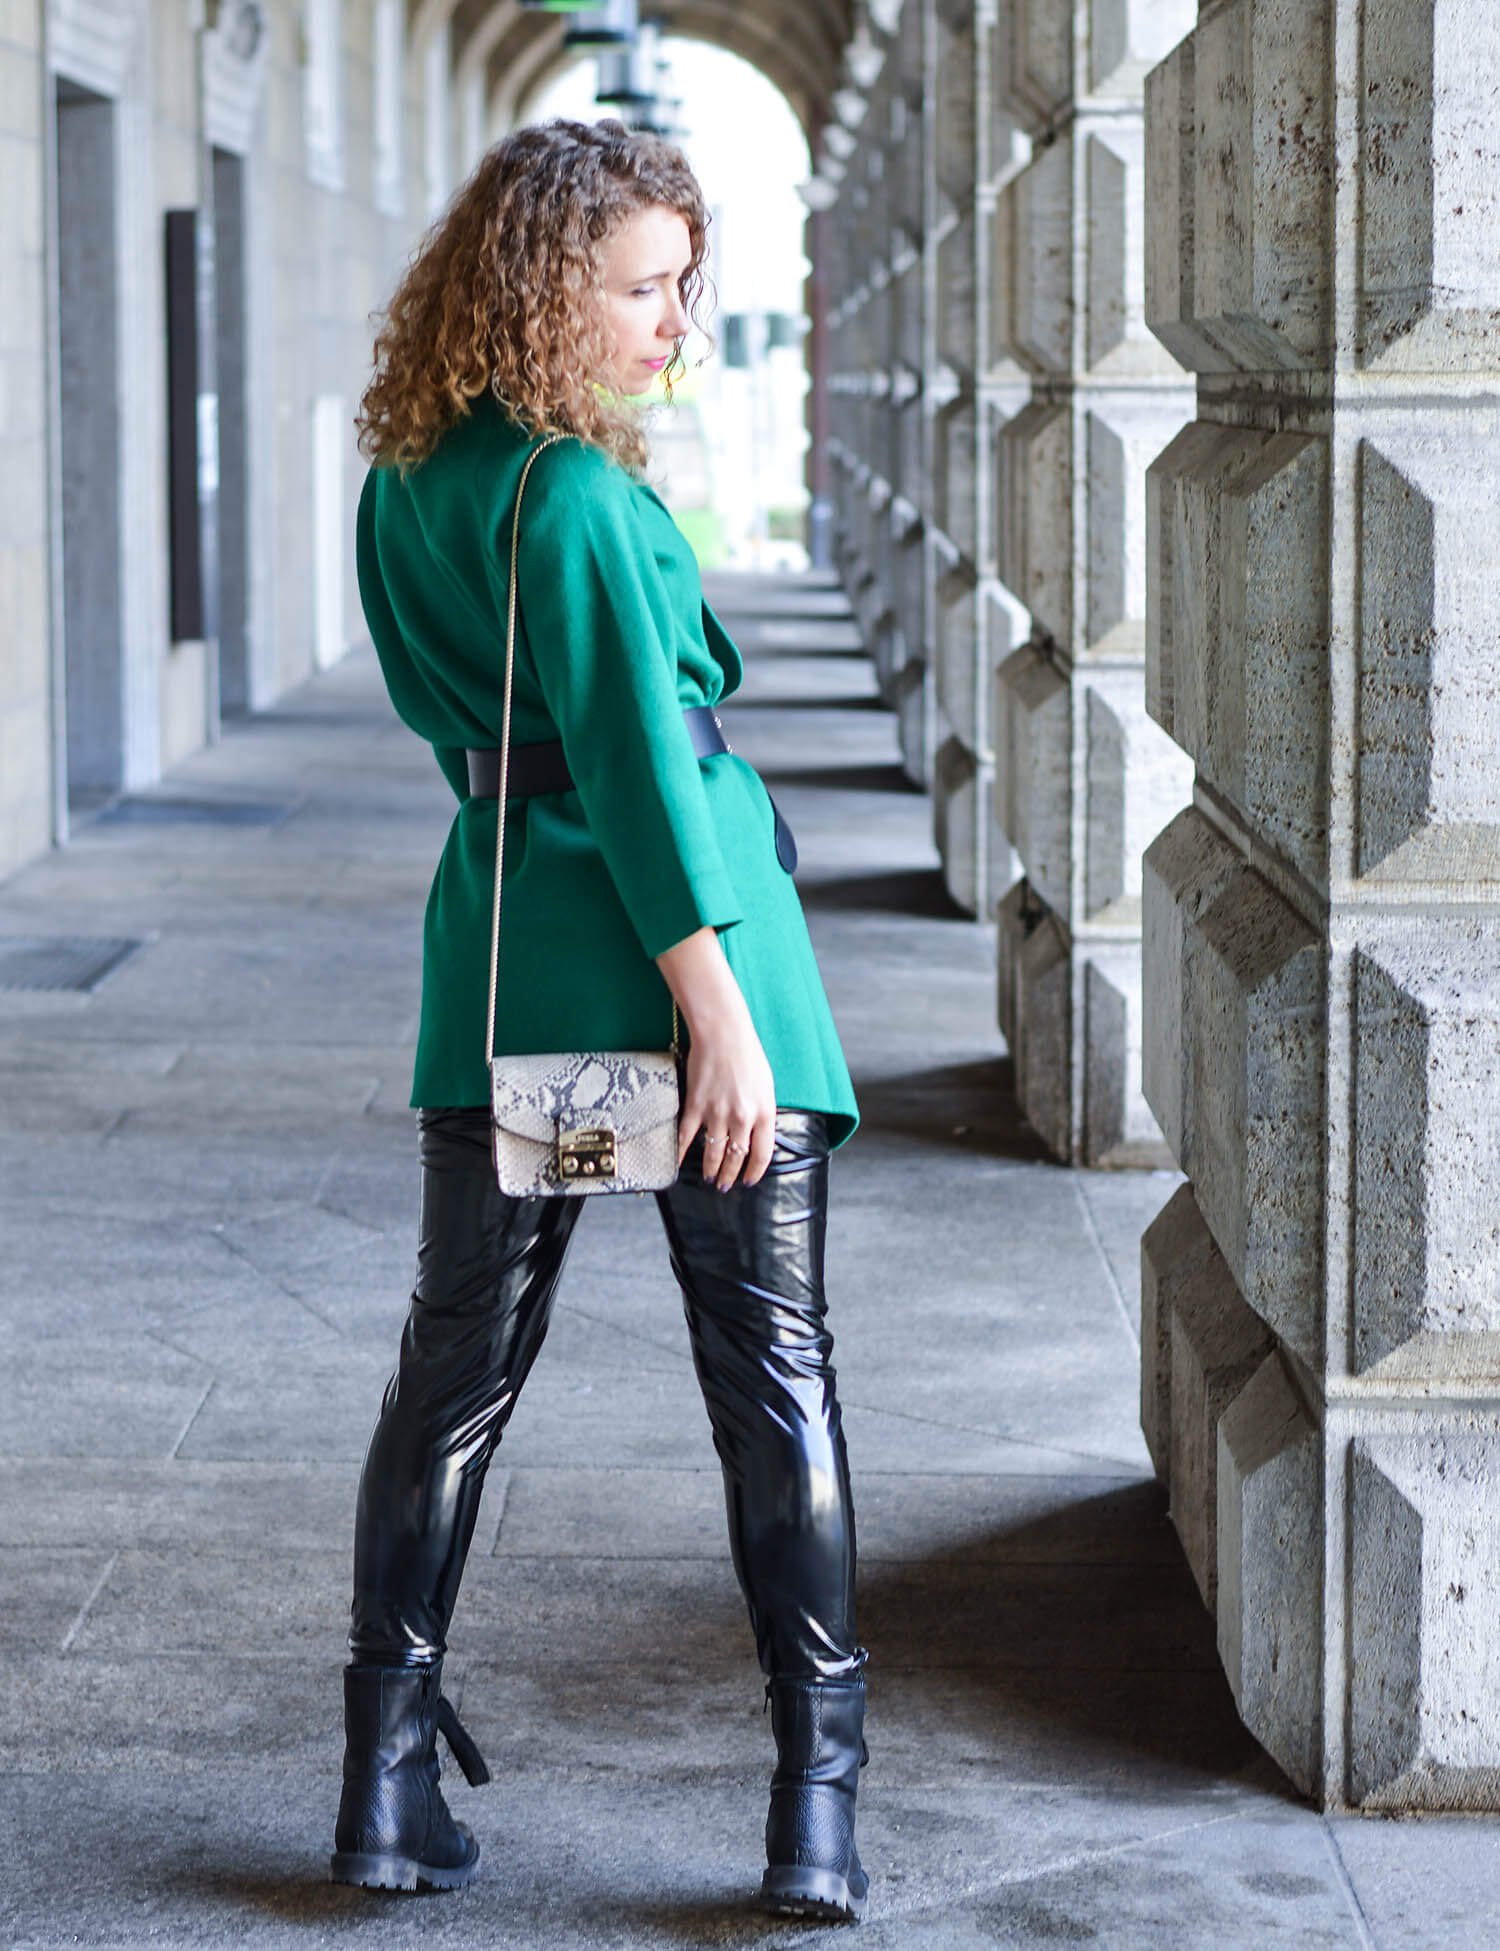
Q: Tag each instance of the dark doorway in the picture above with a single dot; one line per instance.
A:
(88, 373)
(229, 365)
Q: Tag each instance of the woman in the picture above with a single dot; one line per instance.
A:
(559, 285)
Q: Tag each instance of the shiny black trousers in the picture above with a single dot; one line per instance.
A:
(750, 1266)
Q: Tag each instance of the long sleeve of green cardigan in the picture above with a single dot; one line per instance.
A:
(598, 621)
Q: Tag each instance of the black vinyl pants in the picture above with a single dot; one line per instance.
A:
(750, 1266)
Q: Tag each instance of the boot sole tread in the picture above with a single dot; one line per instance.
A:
(399, 1872)
(799, 1891)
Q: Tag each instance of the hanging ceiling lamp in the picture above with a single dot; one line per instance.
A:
(627, 75)
(661, 115)
(849, 105)
(864, 58)
(619, 83)
(610, 23)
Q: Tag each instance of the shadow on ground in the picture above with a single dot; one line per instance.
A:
(916, 891)
(964, 1107)
(1078, 1635)
(860, 701)
(841, 778)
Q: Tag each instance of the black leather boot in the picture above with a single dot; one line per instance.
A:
(394, 1830)
(812, 1867)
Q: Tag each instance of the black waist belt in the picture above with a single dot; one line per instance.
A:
(544, 769)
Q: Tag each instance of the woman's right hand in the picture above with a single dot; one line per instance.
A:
(730, 1095)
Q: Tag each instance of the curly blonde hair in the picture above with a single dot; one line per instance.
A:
(506, 293)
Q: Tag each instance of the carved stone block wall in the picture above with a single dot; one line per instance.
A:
(1080, 802)
(1322, 928)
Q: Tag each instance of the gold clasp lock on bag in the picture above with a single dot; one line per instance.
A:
(586, 1154)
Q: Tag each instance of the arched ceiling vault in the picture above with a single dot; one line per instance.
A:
(792, 54)
(797, 44)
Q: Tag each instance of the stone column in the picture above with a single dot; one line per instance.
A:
(973, 388)
(1082, 779)
(879, 307)
(1321, 1305)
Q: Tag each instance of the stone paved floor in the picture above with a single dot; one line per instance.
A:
(206, 1207)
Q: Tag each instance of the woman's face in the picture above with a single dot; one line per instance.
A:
(643, 260)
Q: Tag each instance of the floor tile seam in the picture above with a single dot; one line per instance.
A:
(234, 1553)
(295, 1659)
(282, 1281)
(973, 1429)
(161, 1340)
(931, 1581)
(499, 1481)
(186, 1430)
(555, 1671)
(261, 1211)
(1211, 1668)
(103, 1027)
(707, 1556)
(979, 1887)
(164, 1544)
(726, 1622)
(340, 1333)
(177, 1466)
(1091, 1228)
(1144, 1476)
(291, 1766)
(1025, 1561)
(707, 1470)
(1345, 1881)
(679, 1355)
(304, 1261)
(691, 1556)
(95, 1591)
(207, 1553)
(291, 1459)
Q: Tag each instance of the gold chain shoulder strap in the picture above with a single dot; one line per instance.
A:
(510, 662)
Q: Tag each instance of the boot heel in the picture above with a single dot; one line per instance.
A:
(797, 1890)
(398, 1872)
(373, 1872)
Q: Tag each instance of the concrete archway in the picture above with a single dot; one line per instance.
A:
(799, 48)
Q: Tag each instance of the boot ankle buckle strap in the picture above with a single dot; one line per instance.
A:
(461, 1744)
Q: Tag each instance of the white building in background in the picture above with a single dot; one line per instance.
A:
(175, 535)
(175, 543)
(743, 408)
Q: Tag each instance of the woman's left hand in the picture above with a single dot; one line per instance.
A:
(731, 1094)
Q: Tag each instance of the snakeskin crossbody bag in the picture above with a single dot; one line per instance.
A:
(572, 1121)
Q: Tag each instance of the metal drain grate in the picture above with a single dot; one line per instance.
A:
(142, 810)
(76, 962)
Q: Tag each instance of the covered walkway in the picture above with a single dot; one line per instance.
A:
(207, 1206)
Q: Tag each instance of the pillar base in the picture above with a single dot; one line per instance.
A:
(1348, 1546)
(1071, 1015)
